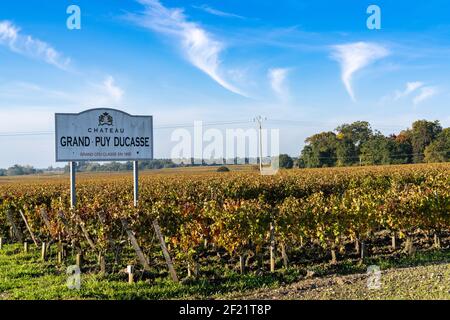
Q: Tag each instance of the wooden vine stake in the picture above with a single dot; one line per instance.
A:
(44, 251)
(363, 250)
(28, 228)
(1, 243)
(333, 256)
(25, 247)
(272, 248)
(60, 252)
(409, 245)
(357, 245)
(79, 260)
(284, 256)
(102, 263)
(169, 263)
(393, 242)
(437, 241)
(134, 243)
(130, 274)
(242, 264)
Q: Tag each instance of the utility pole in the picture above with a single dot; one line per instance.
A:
(260, 120)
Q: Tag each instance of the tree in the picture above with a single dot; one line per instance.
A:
(15, 170)
(402, 152)
(422, 133)
(358, 132)
(346, 152)
(320, 150)
(18, 170)
(377, 150)
(357, 140)
(307, 159)
(286, 161)
(439, 149)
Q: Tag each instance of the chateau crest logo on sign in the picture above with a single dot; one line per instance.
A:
(105, 119)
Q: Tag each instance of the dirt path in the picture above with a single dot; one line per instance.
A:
(424, 282)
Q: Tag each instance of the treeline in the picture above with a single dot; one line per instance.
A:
(18, 170)
(86, 166)
(358, 144)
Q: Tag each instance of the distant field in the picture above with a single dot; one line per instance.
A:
(203, 170)
(84, 175)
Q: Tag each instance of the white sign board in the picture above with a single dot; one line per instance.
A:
(103, 135)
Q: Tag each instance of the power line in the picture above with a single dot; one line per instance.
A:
(29, 133)
(174, 126)
(390, 156)
(323, 123)
(291, 122)
(205, 124)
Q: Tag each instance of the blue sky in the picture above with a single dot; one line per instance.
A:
(311, 64)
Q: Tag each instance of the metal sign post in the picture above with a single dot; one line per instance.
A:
(136, 182)
(73, 194)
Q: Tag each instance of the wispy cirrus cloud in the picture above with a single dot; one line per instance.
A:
(112, 89)
(19, 94)
(219, 13)
(410, 88)
(199, 46)
(104, 92)
(425, 93)
(278, 82)
(417, 89)
(354, 57)
(11, 37)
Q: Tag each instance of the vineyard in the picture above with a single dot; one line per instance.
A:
(239, 220)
